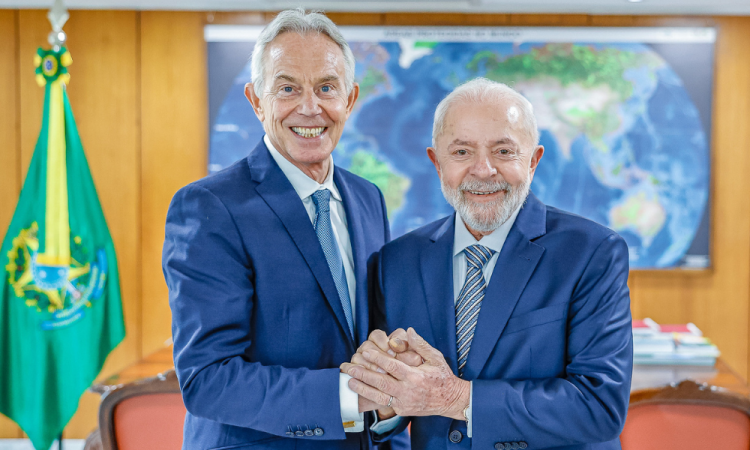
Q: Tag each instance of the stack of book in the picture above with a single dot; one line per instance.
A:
(671, 344)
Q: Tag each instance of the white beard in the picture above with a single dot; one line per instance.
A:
(486, 217)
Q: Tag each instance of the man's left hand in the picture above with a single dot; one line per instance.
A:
(430, 389)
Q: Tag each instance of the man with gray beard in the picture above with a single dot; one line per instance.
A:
(520, 311)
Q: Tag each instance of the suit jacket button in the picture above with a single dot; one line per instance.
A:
(299, 433)
(309, 433)
(514, 445)
(522, 445)
(499, 446)
(455, 436)
(290, 433)
(508, 446)
(318, 431)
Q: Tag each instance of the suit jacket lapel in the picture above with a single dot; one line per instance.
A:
(437, 279)
(359, 252)
(516, 262)
(278, 193)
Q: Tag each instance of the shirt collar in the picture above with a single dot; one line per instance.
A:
(494, 241)
(302, 184)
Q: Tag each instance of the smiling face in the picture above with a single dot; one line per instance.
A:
(304, 105)
(486, 162)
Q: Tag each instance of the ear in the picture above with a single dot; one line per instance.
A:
(432, 154)
(352, 99)
(535, 158)
(254, 101)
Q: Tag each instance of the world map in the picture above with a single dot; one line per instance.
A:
(624, 143)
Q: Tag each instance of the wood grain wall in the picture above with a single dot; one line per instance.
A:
(139, 92)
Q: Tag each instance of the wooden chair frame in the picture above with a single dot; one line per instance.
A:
(688, 392)
(164, 383)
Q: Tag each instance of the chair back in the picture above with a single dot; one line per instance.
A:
(687, 415)
(145, 415)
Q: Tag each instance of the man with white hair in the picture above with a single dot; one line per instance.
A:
(266, 261)
(520, 311)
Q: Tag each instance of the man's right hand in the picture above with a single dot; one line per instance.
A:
(395, 345)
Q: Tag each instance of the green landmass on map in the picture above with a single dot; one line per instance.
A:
(370, 81)
(583, 85)
(568, 63)
(392, 185)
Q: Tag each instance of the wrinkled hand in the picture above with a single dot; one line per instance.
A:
(394, 346)
(428, 389)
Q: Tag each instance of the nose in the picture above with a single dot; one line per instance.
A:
(482, 167)
(309, 104)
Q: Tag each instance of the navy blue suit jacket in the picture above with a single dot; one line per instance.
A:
(551, 359)
(259, 330)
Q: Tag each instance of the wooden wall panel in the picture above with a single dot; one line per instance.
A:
(33, 29)
(445, 19)
(175, 143)
(357, 19)
(547, 20)
(10, 160)
(235, 18)
(103, 92)
(10, 163)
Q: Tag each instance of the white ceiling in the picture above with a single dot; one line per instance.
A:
(680, 7)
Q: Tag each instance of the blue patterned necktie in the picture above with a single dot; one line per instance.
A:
(324, 230)
(470, 300)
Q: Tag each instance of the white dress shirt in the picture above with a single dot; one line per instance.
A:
(305, 187)
(462, 238)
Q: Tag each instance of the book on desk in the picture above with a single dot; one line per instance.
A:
(656, 344)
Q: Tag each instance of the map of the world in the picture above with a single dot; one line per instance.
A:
(625, 144)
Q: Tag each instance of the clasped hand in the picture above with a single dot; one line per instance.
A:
(408, 369)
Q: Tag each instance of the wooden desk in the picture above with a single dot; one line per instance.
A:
(150, 366)
(644, 376)
(720, 375)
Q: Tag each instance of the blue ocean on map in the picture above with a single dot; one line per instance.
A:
(624, 143)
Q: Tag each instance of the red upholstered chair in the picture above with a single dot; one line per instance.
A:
(146, 415)
(685, 416)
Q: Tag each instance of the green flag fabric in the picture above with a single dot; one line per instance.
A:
(60, 307)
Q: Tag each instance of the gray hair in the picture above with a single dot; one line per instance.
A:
(297, 21)
(480, 90)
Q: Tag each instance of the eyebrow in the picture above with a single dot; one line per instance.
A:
(473, 143)
(291, 79)
(328, 78)
(288, 78)
(505, 141)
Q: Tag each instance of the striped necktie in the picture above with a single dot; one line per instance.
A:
(470, 300)
(324, 230)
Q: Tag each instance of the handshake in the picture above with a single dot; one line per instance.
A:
(403, 374)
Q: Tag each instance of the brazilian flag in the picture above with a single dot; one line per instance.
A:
(60, 308)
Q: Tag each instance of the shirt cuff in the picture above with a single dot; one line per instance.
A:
(384, 426)
(352, 419)
(468, 411)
